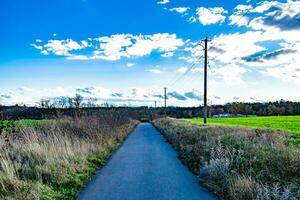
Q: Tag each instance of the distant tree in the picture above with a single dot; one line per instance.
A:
(44, 103)
(77, 100)
(70, 102)
(62, 102)
(105, 104)
(216, 111)
(249, 110)
(91, 102)
(233, 108)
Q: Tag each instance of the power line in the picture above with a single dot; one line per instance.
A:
(178, 74)
(190, 78)
(190, 68)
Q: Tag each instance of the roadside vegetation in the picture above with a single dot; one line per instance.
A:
(237, 162)
(9, 126)
(54, 160)
(285, 123)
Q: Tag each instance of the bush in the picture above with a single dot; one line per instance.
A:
(237, 162)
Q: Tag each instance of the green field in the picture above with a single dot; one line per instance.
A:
(9, 126)
(285, 123)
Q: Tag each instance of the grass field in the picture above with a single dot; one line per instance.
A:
(285, 123)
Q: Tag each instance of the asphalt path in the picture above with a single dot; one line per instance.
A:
(145, 167)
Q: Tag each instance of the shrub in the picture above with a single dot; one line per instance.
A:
(243, 188)
(237, 162)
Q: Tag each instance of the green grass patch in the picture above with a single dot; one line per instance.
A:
(9, 126)
(289, 124)
(32, 122)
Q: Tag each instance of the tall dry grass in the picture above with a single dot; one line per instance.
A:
(53, 161)
(235, 162)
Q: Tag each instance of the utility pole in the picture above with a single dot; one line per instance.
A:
(205, 81)
(165, 90)
(154, 104)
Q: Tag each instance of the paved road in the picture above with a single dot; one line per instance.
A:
(145, 167)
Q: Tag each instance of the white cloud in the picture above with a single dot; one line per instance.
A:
(182, 70)
(141, 47)
(77, 57)
(85, 43)
(197, 70)
(45, 52)
(196, 53)
(94, 91)
(113, 47)
(130, 64)
(36, 46)
(231, 74)
(242, 8)
(239, 20)
(192, 19)
(208, 16)
(189, 59)
(287, 73)
(154, 71)
(162, 2)
(264, 6)
(238, 17)
(283, 15)
(252, 48)
(61, 47)
(56, 91)
(25, 89)
(168, 54)
(180, 9)
(228, 48)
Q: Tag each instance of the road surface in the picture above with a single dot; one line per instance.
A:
(145, 167)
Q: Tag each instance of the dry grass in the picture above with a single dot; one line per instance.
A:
(53, 161)
(237, 162)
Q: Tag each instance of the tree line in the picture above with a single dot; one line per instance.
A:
(72, 106)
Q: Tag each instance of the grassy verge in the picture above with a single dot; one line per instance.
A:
(54, 160)
(237, 162)
(9, 126)
(284, 123)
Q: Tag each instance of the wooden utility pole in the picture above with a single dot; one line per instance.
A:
(154, 104)
(165, 91)
(205, 81)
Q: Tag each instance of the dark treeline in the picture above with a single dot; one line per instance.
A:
(260, 109)
(263, 109)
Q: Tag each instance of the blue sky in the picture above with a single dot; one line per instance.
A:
(134, 48)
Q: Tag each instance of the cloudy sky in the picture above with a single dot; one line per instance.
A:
(125, 52)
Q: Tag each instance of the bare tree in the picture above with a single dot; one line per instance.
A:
(70, 102)
(62, 102)
(44, 103)
(77, 100)
(91, 103)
